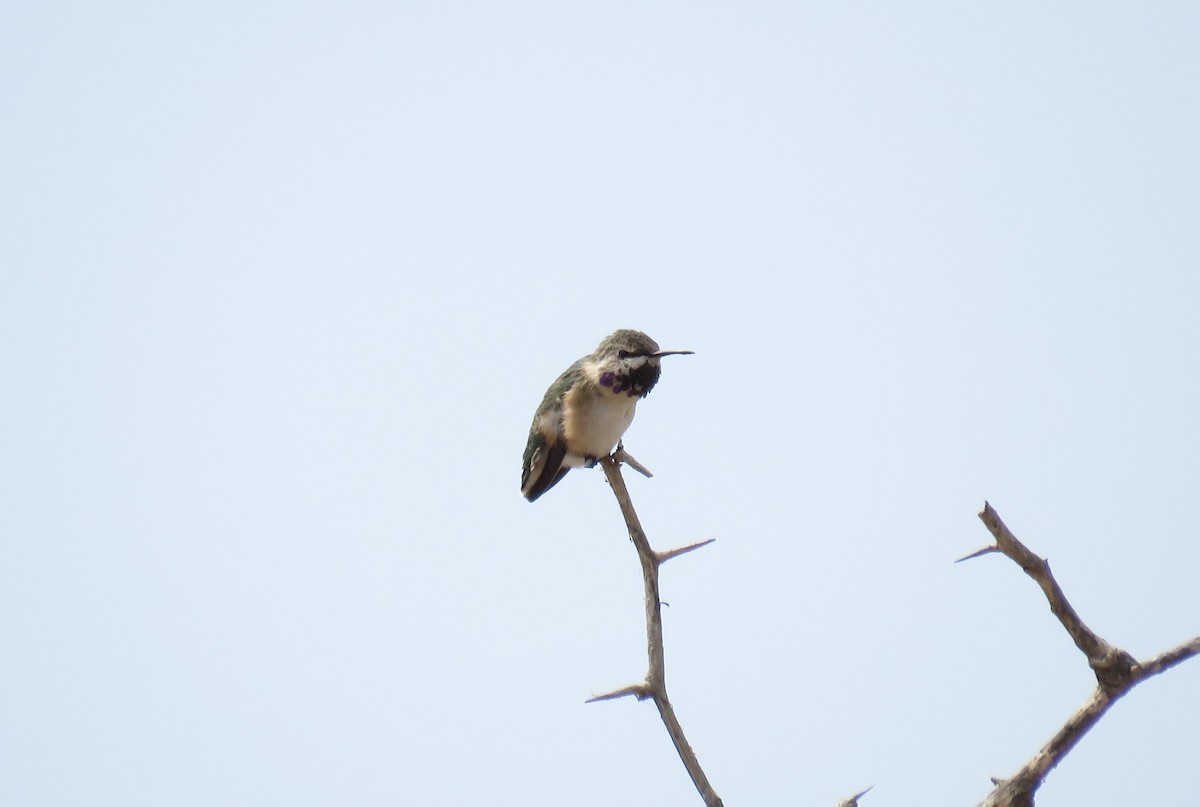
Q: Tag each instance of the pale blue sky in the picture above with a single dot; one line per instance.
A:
(283, 283)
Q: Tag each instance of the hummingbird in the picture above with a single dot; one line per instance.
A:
(589, 407)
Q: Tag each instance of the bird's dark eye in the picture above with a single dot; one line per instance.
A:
(623, 354)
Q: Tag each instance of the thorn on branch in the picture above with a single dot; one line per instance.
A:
(662, 557)
(853, 800)
(621, 455)
(639, 691)
(979, 553)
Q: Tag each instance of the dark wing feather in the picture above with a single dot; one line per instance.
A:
(552, 470)
(546, 449)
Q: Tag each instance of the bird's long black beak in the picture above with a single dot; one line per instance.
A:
(662, 353)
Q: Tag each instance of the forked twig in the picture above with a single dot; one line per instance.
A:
(1116, 671)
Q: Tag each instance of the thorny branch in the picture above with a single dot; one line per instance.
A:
(654, 686)
(1116, 671)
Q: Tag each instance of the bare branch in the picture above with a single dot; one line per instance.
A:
(1107, 661)
(655, 685)
(1165, 661)
(1117, 672)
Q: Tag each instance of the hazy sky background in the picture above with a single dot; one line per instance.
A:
(281, 285)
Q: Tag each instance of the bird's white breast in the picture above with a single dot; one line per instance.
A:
(609, 418)
(595, 418)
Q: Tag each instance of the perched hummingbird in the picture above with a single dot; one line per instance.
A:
(589, 407)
